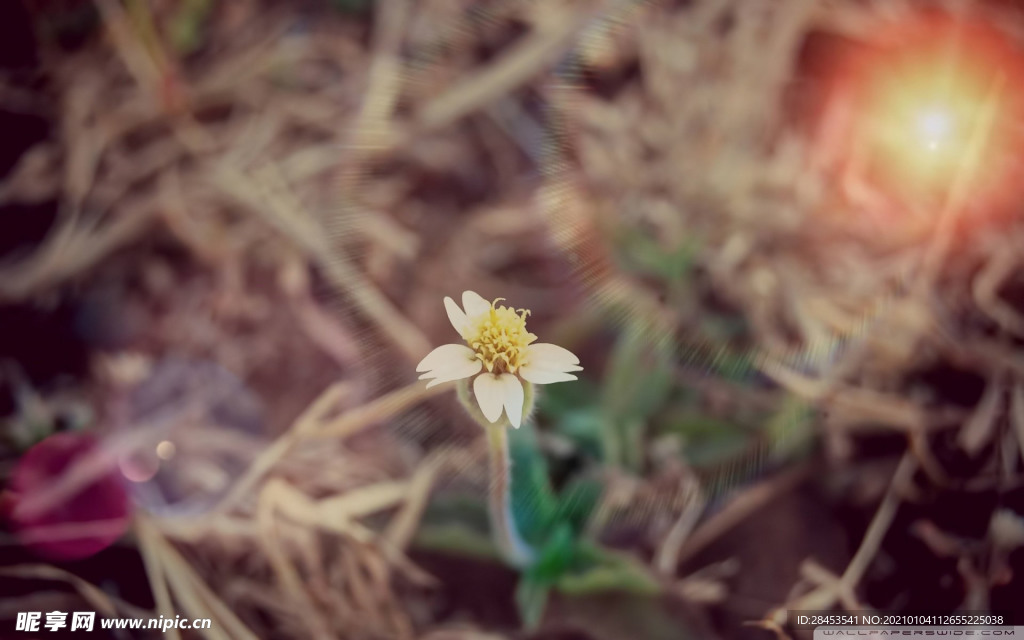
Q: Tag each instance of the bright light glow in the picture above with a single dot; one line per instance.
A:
(921, 123)
(935, 126)
(936, 104)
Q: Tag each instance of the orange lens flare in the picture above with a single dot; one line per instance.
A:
(921, 136)
(935, 105)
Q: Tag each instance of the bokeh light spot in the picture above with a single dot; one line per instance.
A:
(138, 466)
(166, 450)
(63, 521)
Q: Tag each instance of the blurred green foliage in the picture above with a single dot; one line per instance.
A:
(37, 417)
(70, 23)
(637, 382)
(553, 523)
(188, 25)
(640, 254)
(555, 526)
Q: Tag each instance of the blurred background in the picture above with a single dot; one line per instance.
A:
(784, 238)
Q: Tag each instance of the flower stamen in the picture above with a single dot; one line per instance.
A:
(499, 338)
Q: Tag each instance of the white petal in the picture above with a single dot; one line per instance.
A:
(541, 376)
(444, 356)
(449, 362)
(456, 316)
(474, 305)
(553, 368)
(490, 394)
(513, 398)
(463, 370)
(551, 357)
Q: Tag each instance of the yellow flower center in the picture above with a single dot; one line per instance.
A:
(499, 338)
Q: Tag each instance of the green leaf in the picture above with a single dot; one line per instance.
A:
(531, 600)
(559, 400)
(188, 25)
(574, 412)
(605, 578)
(457, 540)
(644, 255)
(577, 503)
(469, 511)
(790, 429)
(556, 556)
(534, 503)
(639, 378)
(637, 384)
(597, 570)
(585, 427)
(707, 440)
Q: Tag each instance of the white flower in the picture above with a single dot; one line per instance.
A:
(501, 353)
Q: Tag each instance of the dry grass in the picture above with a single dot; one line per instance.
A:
(402, 167)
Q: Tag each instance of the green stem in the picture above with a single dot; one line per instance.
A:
(503, 523)
(513, 548)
